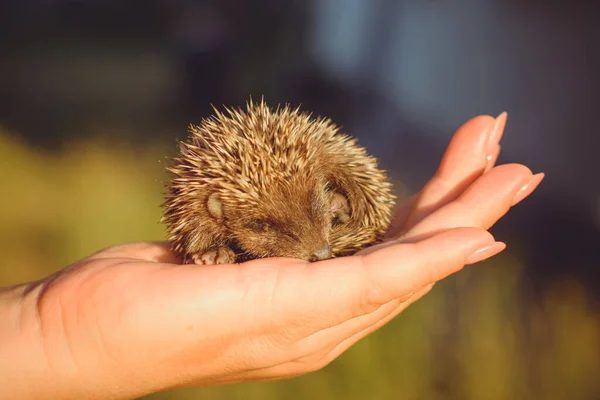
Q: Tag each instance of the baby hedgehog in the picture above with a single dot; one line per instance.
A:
(263, 183)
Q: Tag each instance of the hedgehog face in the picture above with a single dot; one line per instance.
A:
(295, 222)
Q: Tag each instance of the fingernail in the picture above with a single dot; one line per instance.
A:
(493, 157)
(528, 188)
(485, 252)
(497, 130)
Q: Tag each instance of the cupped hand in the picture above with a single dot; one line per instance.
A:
(129, 320)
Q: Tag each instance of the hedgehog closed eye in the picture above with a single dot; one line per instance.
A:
(243, 170)
(260, 225)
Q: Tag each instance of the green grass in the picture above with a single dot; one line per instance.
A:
(472, 337)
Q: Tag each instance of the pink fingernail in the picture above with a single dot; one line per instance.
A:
(528, 188)
(485, 252)
(497, 131)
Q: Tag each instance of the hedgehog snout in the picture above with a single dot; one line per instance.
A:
(321, 254)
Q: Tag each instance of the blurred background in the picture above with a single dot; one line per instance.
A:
(94, 95)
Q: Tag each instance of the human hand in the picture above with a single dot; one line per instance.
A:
(129, 320)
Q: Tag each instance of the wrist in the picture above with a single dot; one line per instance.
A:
(42, 359)
(26, 371)
(21, 367)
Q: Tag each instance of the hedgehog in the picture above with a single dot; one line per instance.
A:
(259, 183)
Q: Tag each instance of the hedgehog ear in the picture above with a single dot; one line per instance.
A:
(340, 207)
(214, 206)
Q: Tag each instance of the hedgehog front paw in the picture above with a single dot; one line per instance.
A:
(220, 255)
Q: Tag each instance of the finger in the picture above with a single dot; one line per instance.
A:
(493, 157)
(351, 331)
(345, 344)
(483, 203)
(159, 252)
(400, 217)
(341, 289)
(471, 140)
(423, 262)
(322, 348)
(471, 150)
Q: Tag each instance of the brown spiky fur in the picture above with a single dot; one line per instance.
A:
(273, 183)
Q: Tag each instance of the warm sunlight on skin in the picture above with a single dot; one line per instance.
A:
(129, 320)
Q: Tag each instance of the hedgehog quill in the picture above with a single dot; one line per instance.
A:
(259, 183)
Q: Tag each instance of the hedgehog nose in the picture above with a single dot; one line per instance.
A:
(321, 254)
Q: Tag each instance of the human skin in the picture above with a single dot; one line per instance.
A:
(131, 320)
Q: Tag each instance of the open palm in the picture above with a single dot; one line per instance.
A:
(130, 320)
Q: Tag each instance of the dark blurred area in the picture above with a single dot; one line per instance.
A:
(400, 75)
